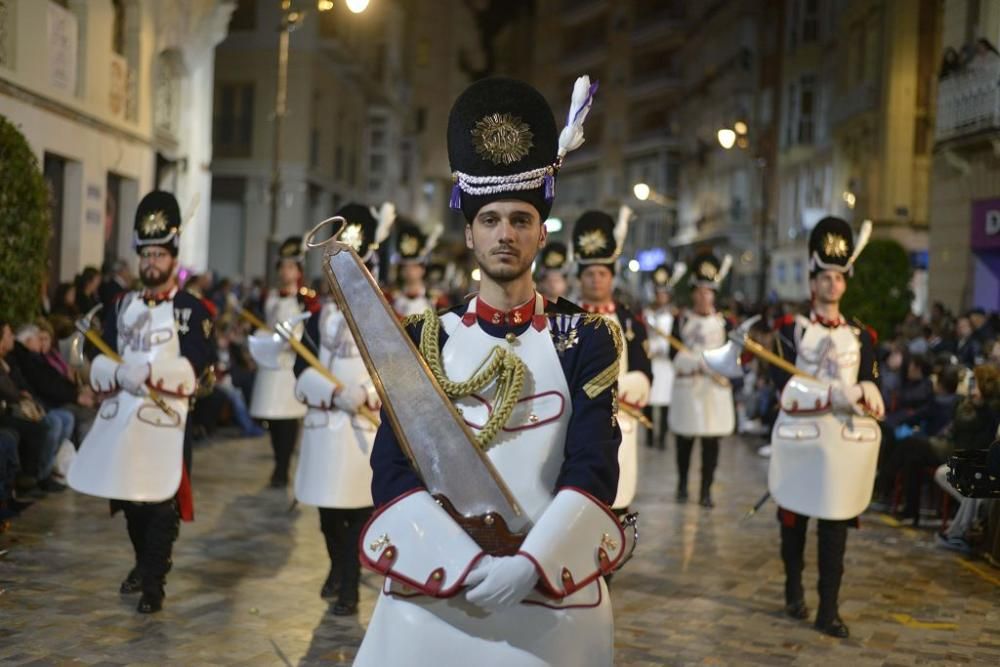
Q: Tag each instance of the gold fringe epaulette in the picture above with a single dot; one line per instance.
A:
(606, 378)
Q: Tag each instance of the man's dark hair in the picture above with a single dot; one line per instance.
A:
(949, 378)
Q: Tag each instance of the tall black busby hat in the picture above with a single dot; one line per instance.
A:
(664, 279)
(832, 246)
(365, 227)
(708, 271)
(158, 222)
(599, 239)
(292, 249)
(412, 244)
(554, 257)
(503, 143)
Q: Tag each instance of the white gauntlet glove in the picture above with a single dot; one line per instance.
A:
(863, 398)
(350, 398)
(871, 397)
(687, 363)
(500, 582)
(132, 377)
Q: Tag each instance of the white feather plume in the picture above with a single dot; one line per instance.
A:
(680, 270)
(621, 227)
(386, 215)
(571, 136)
(432, 240)
(863, 237)
(727, 263)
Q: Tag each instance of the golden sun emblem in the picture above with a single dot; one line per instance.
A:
(593, 241)
(554, 260)
(660, 277)
(409, 245)
(708, 270)
(352, 236)
(154, 223)
(834, 245)
(502, 138)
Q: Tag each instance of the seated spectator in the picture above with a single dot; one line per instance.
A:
(56, 384)
(920, 444)
(230, 360)
(87, 284)
(38, 434)
(65, 301)
(967, 347)
(9, 466)
(976, 420)
(117, 279)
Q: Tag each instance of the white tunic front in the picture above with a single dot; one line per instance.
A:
(135, 451)
(702, 404)
(333, 469)
(274, 383)
(528, 454)
(659, 352)
(823, 462)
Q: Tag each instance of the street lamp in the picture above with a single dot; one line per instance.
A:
(641, 191)
(290, 20)
(727, 137)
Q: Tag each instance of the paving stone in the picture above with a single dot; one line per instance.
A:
(705, 587)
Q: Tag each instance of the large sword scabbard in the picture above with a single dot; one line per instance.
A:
(429, 428)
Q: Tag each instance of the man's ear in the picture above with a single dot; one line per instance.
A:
(543, 236)
(468, 235)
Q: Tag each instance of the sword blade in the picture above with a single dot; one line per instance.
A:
(425, 421)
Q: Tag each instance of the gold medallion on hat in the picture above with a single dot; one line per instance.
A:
(593, 241)
(660, 277)
(502, 138)
(409, 245)
(554, 260)
(352, 236)
(708, 270)
(154, 223)
(834, 245)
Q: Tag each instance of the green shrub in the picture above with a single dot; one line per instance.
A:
(879, 294)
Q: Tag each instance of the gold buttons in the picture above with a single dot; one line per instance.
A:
(533, 418)
(437, 576)
(566, 575)
(511, 338)
(489, 520)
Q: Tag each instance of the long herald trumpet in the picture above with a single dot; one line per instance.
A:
(725, 360)
(679, 345)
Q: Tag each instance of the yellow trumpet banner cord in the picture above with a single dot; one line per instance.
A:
(501, 365)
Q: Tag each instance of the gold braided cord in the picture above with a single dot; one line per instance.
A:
(410, 320)
(501, 365)
(600, 382)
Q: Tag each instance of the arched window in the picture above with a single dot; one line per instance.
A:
(118, 27)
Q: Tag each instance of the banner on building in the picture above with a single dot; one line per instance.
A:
(118, 88)
(62, 49)
(986, 224)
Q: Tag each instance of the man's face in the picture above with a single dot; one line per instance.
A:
(505, 236)
(156, 266)
(553, 285)
(977, 320)
(412, 272)
(963, 327)
(662, 298)
(6, 340)
(33, 343)
(597, 284)
(703, 300)
(289, 273)
(828, 287)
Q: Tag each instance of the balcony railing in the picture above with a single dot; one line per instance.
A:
(969, 100)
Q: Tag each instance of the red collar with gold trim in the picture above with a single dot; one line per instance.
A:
(600, 309)
(532, 310)
(816, 318)
(156, 298)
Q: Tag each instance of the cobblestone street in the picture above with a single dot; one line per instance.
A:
(704, 588)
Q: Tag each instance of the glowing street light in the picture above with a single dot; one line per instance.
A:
(727, 138)
(553, 225)
(357, 6)
(476, 275)
(641, 191)
(740, 127)
(633, 265)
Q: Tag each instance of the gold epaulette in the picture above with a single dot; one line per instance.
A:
(606, 378)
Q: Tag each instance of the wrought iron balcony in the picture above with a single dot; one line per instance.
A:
(969, 100)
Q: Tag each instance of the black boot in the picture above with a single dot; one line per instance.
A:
(835, 627)
(330, 586)
(709, 460)
(151, 600)
(345, 608)
(797, 610)
(682, 491)
(705, 500)
(132, 583)
(793, 545)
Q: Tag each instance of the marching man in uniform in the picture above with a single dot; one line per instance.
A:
(138, 453)
(825, 442)
(660, 317)
(414, 248)
(702, 401)
(334, 472)
(543, 416)
(598, 241)
(273, 389)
